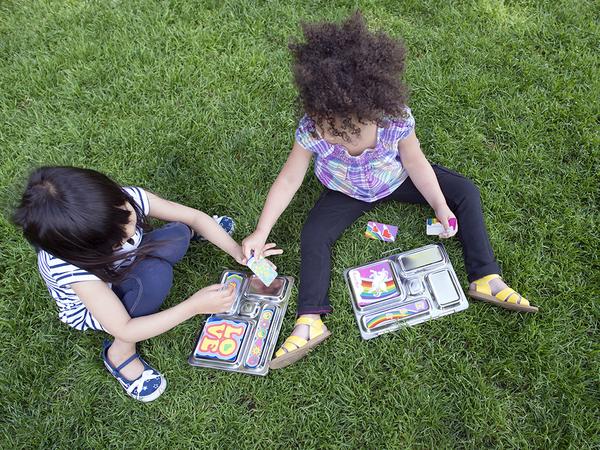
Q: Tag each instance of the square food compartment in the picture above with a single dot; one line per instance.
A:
(443, 288)
(374, 283)
(274, 291)
(421, 258)
(221, 339)
(403, 312)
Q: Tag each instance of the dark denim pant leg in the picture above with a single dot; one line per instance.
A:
(175, 241)
(147, 285)
(463, 199)
(331, 215)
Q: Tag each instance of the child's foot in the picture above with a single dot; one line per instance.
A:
(118, 352)
(309, 332)
(226, 222)
(493, 289)
(148, 385)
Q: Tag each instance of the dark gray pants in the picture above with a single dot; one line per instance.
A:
(334, 212)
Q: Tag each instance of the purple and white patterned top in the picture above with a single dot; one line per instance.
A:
(370, 176)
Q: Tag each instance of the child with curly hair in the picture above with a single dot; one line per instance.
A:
(362, 137)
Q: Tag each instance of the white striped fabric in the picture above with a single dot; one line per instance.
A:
(60, 275)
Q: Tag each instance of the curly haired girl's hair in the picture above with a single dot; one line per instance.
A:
(347, 72)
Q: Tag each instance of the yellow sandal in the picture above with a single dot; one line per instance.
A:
(507, 298)
(295, 347)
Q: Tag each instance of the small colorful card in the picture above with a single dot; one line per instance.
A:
(435, 227)
(263, 269)
(381, 231)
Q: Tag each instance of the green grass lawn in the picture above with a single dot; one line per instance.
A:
(193, 100)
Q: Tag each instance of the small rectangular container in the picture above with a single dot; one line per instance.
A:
(404, 290)
(244, 339)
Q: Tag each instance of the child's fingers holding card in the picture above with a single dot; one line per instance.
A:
(271, 249)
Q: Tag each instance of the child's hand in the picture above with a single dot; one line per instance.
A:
(216, 298)
(271, 249)
(254, 244)
(267, 250)
(444, 214)
(239, 256)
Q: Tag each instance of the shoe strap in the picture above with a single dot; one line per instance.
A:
(127, 361)
(309, 322)
(147, 375)
(483, 283)
(294, 340)
(315, 326)
(506, 294)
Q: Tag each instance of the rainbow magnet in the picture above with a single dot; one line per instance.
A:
(406, 311)
(434, 227)
(373, 283)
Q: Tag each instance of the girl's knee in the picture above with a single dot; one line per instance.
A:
(314, 233)
(462, 191)
(156, 279)
(172, 241)
(470, 190)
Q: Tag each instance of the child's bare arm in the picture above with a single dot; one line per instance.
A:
(199, 221)
(280, 195)
(106, 307)
(422, 175)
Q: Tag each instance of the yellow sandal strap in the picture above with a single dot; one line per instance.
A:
(306, 321)
(483, 284)
(291, 343)
(315, 326)
(506, 295)
(296, 341)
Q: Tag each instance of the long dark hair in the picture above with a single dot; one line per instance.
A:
(77, 215)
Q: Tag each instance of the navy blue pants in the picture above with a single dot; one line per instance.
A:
(146, 286)
(334, 212)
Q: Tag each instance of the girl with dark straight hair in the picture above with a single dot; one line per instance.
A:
(108, 271)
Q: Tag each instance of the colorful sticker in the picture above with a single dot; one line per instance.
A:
(263, 269)
(373, 283)
(234, 279)
(398, 314)
(435, 227)
(381, 231)
(221, 339)
(260, 338)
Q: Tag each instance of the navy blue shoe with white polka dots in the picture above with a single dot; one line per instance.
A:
(147, 387)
